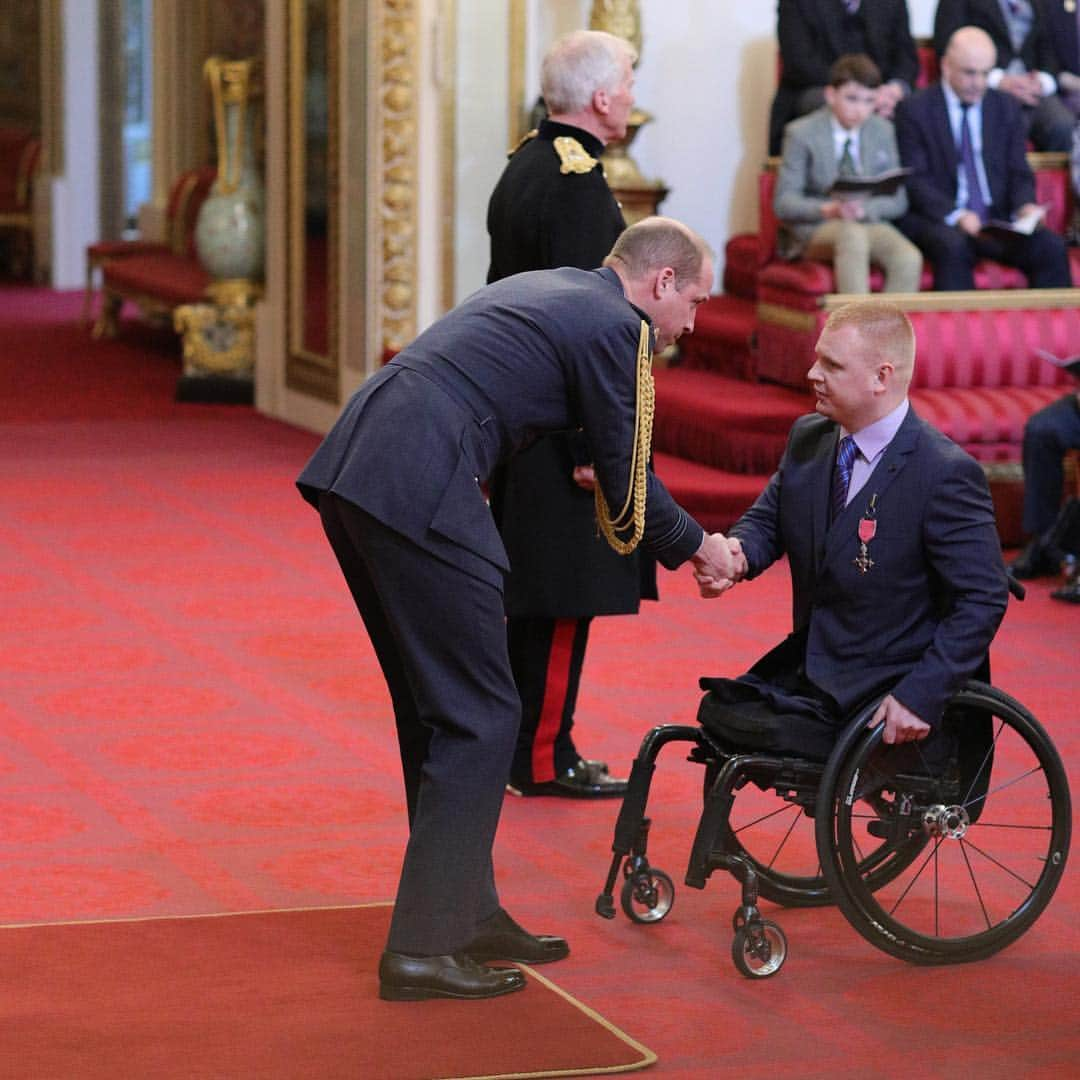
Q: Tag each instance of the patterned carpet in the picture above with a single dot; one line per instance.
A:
(192, 722)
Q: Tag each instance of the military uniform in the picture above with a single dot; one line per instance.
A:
(398, 484)
(552, 207)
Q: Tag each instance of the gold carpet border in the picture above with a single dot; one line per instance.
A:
(647, 1055)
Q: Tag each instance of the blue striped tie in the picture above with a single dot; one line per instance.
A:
(845, 458)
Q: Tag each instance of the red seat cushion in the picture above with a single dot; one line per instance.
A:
(172, 279)
(118, 249)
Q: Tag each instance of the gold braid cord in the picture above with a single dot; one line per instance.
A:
(632, 514)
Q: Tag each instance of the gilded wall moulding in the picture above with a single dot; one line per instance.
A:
(397, 207)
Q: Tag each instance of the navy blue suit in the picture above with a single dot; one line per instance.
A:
(919, 622)
(1063, 35)
(398, 484)
(928, 148)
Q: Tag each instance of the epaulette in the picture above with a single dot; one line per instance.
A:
(574, 158)
(522, 141)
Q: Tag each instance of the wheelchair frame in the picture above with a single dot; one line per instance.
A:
(894, 844)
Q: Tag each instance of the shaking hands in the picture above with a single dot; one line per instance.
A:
(718, 564)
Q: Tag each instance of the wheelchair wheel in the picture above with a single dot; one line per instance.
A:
(995, 821)
(759, 949)
(776, 837)
(647, 897)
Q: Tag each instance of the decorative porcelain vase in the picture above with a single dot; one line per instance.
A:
(230, 233)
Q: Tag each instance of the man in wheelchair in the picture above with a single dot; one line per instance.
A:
(866, 727)
(896, 568)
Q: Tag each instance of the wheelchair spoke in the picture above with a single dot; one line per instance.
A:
(915, 877)
(784, 840)
(975, 884)
(1007, 784)
(1000, 865)
(765, 817)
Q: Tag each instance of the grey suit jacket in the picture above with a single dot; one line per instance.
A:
(809, 168)
(920, 620)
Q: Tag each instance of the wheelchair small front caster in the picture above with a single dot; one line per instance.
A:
(647, 895)
(759, 949)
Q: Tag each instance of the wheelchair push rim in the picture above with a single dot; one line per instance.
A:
(996, 840)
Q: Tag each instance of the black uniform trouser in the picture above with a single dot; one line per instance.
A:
(1048, 435)
(440, 639)
(546, 657)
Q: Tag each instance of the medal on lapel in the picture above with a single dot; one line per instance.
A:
(867, 532)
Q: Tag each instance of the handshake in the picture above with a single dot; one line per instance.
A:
(718, 564)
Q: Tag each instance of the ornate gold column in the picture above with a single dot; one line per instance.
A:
(639, 197)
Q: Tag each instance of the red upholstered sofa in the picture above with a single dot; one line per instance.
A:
(156, 275)
(20, 156)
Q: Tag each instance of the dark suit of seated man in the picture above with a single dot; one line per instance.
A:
(965, 146)
(397, 482)
(888, 527)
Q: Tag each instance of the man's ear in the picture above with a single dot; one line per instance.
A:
(664, 280)
(601, 101)
(884, 375)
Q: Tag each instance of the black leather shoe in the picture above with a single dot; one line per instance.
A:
(500, 938)
(1069, 593)
(584, 780)
(417, 978)
(1036, 560)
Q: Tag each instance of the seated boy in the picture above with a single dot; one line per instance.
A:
(844, 139)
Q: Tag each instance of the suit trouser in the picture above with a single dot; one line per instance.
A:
(854, 245)
(953, 254)
(1048, 435)
(440, 640)
(546, 657)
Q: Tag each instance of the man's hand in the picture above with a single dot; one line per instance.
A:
(969, 222)
(585, 477)
(888, 97)
(843, 210)
(1025, 87)
(718, 564)
(901, 724)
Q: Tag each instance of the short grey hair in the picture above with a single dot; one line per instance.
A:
(578, 65)
(656, 242)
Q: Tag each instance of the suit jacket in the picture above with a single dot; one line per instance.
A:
(1037, 50)
(927, 146)
(540, 218)
(1060, 27)
(810, 34)
(921, 619)
(546, 351)
(809, 168)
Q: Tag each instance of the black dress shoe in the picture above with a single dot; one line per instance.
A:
(1036, 560)
(417, 978)
(583, 780)
(1069, 593)
(500, 938)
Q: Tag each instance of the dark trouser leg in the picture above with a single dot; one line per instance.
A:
(1050, 124)
(949, 251)
(546, 656)
(1041, 256)
(1048, 434)
(441, 641)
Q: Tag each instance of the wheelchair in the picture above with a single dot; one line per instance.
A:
(934, 862)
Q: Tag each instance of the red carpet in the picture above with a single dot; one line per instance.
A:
(275, 995)
(191, 722)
